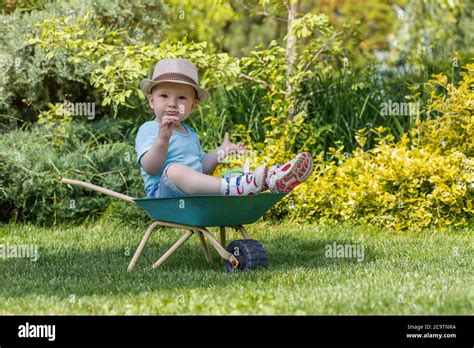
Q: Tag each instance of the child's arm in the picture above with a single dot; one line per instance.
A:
(211, 160)
(152, 161)
(217, 156)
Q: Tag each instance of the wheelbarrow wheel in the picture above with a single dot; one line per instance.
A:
(250, 253)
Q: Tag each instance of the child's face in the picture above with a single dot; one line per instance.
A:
(172, 98)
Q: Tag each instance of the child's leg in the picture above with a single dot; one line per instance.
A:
(191, 181)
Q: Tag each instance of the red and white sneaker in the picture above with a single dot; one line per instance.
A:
(284, 178)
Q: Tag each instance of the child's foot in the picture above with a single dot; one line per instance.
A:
(246, 184)
(284, 178)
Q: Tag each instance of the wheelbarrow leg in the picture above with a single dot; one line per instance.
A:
(171, 250)
(223, 242)
(207, 254)
(243, 231)
(145, 238)
(220, 249)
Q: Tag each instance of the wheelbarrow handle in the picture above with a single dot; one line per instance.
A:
(98, 189)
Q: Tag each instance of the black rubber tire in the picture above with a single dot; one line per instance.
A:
(250, 253)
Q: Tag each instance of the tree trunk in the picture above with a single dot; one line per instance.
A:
(291, 51)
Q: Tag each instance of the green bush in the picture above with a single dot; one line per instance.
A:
(456, 130)
(344, 101)
(31, 168)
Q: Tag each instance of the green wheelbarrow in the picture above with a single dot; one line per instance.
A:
(194, 214)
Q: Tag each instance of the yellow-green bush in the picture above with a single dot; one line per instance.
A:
(391, 185)
(456, 128)
(426, 179)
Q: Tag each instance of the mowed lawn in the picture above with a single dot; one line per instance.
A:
(83, 270)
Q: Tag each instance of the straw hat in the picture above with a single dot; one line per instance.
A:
(174, 70)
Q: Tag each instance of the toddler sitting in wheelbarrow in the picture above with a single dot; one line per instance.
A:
(170, 157)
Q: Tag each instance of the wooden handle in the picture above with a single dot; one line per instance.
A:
(98, 189)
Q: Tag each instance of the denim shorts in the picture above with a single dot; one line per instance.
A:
(167, 189)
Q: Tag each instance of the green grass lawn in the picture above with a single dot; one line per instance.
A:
(83, 270)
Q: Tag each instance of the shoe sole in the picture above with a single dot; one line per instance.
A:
(262, 183)
(299, 172)
(259, 187)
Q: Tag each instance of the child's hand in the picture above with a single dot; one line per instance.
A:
(167, 126)
(229, 147)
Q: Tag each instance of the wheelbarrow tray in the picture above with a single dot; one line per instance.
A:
(209, 211)
(193, 214)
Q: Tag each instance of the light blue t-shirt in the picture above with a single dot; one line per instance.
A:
(184, 148)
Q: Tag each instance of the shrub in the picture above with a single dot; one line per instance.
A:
(31, 168)
(344, 101)
(390, 185)
(424, 180)
(455, 131)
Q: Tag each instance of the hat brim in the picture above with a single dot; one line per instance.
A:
(146, 86)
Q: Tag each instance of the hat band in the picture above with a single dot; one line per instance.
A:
(175, 77)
